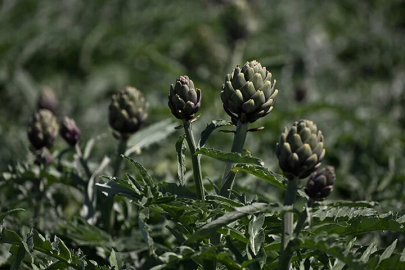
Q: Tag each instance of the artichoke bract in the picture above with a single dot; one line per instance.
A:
(300, 150)
(184, 99)
(127, 112)
(248, 93)
(42, 129)
(69, 131)
(320, 184)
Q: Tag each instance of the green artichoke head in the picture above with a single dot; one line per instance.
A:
(248, 93)
(184, 98)
(300, 150)
(42, 129)
(320, 184)
(127, 112)
(69, 131)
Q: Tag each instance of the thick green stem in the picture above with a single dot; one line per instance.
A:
(109, 217)
(122, 147)
(288, 224)
(288, 252)
(237, 147)
(195, 160)
(83, 162)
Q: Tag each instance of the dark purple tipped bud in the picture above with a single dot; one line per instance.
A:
(184, 99)
(320, 184)
(69, 131)
(47, 99)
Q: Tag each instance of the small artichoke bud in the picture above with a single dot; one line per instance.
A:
(238, 20)
(42, 129)
(300, 150)
(127, 112)
(47, 99)
(320, 184)
(69, 131)
(248, 93)
(184, 99)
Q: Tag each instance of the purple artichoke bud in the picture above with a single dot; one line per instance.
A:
(69, 131)
(320, 184)
(300, 150)
(47, 99)
(127, 112)
(184, 99)
(42, 129)
(248, 93)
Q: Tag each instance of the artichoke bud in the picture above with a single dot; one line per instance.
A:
(47, 99)
(127, 112)
(69, 131)
(320, 184)
(42, 129)
(184, 99)
(300, 149)
(238, 20)
(248, 93)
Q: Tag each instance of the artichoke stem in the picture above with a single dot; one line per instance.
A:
(237, 147)
(83, 162)
(288, 224)
(122, 147)
(195, 160)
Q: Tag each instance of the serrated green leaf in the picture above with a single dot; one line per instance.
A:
(263, 173)
(228, 157)
(145, 229)
(10, 237)
(366, 254)
(330, 246)
(211, 128)
(116, 260)
(4, 215)
(149, 135)
(117, 186)
(64, 252)
(364, 204)
(181, 159)
(388, 251)
(59, 265)
(17, 255)
(256, 236)
(227, 218)
(144, 173)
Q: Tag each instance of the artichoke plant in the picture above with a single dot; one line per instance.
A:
(69, 131)
(248, 93)
(42, 129)
(184, 98)
(320, 184)
(127, 112)
(300, 150)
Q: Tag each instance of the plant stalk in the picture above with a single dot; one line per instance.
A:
(303, 217)
(288, 224)
(122, 147)
(237, 147)
(83, 162)
(195, 160)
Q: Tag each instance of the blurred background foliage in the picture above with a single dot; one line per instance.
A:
(338, 63)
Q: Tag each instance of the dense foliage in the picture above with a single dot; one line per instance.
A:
(197, 192)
